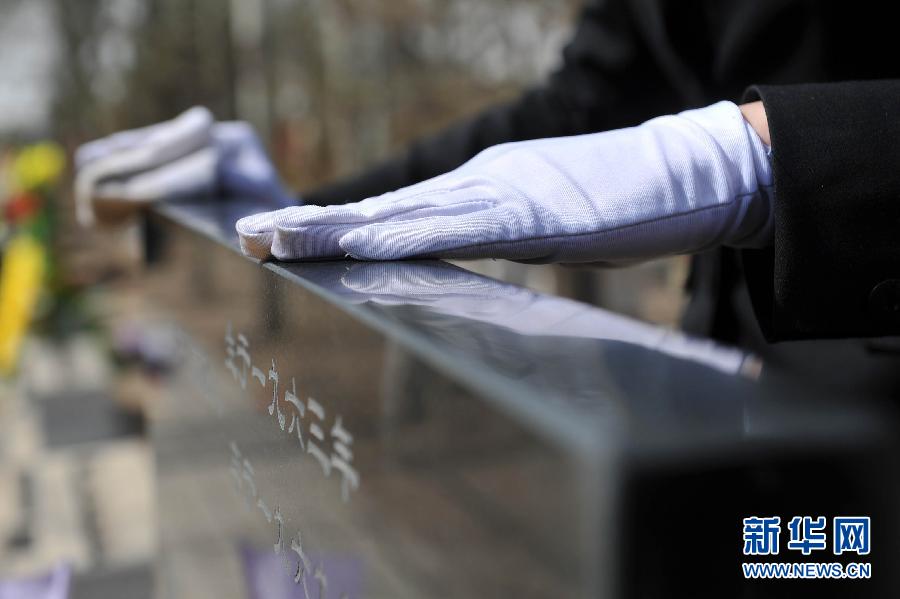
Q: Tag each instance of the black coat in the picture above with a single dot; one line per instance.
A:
(630, 60)
(834, 270)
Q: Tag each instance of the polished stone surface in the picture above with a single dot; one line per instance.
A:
(411, 429)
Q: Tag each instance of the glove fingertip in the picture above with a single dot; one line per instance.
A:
(257, 245)
(255, 233)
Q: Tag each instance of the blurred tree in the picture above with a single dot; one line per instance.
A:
(331, 84)
(76, 110)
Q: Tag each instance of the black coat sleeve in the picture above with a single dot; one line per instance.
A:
(608, 79)
(834, 270)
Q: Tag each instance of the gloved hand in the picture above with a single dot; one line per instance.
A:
(675, 184)
(189, 155)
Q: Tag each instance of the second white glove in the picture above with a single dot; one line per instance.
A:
(190, 155)
(675, 184)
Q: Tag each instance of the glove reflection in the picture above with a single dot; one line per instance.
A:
(444, 290)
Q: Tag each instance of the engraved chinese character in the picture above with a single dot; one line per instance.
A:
(279, 525)
(236, 466)
(247, 474)
(342, 457)
(303, 563)
(230, 352)
(274, 407)
(317, 434)
(242, 472)
(237, 356)
(290, 397)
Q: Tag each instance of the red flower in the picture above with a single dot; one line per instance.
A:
(21, 206)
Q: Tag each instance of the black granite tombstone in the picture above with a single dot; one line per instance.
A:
(346, 429)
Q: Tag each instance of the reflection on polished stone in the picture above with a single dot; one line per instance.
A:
(444, 290)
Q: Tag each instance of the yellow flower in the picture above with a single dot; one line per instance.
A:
(21, 279)
(38, 165)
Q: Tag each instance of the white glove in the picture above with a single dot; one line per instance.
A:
(187, 156)
(244, 169)
(675, 184)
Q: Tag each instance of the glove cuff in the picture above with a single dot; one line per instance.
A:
(745, 159)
